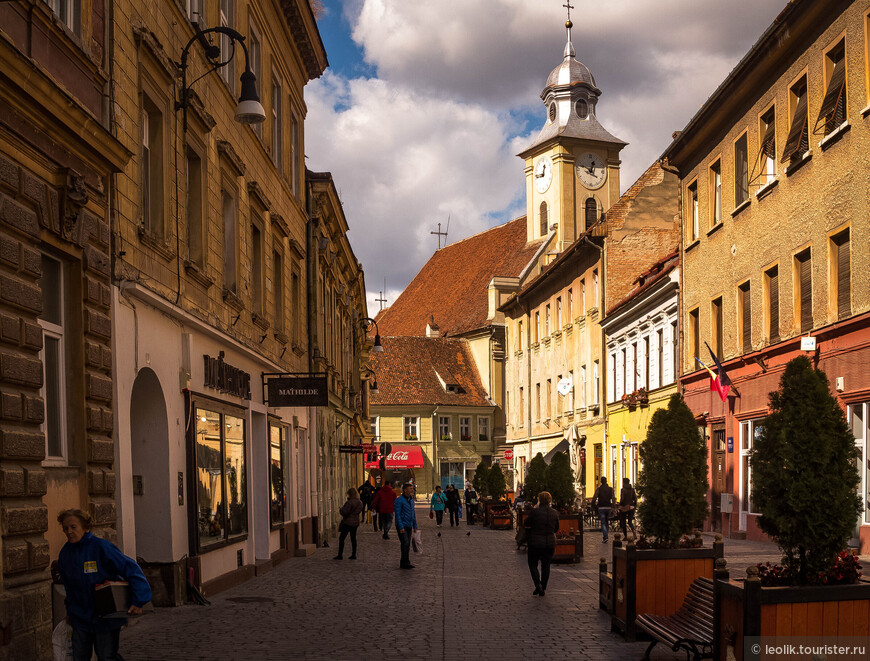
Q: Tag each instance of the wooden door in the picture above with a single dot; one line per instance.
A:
(717, 449)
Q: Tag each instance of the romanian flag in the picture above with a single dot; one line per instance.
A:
(723, 383)
(715, 382)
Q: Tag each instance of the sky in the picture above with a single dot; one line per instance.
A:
(426, 103)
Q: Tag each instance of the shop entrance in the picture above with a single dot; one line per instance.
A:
(717, 449)
(152, 491)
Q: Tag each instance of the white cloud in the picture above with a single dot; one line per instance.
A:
(457, 95)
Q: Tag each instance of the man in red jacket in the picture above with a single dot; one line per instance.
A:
(384, 505)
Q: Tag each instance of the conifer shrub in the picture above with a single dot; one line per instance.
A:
(673, 482)
(536, 478)
(495, 482)
(804, 475)
(560, 482)
(480, 478)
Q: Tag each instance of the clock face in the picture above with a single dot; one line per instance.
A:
(543, 174)
(591, 170)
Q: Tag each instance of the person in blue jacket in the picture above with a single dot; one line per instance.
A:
(406, 522)
(84, 562)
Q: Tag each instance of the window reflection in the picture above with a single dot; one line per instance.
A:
(276, 474)
(234, 447)
(209, 483)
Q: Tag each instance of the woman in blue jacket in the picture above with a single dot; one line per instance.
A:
(437, 505)
(84, 562)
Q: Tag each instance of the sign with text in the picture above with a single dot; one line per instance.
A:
(508, 454)
(730, 444)
(224, 377)
(298, 391)
(350, 449)
(369, 447)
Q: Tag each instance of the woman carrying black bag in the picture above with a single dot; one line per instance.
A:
(350, 512)
(542, 523)
(627, 505)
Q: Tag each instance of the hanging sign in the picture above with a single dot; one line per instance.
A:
(298, 390)
(350, 449)
(224, 377)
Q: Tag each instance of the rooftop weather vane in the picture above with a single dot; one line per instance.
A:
(444, 233)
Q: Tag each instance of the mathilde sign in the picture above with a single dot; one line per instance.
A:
(297, 391)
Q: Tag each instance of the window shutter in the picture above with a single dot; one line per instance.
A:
(806, 293)
(773, 303)
(797, 142)
(767, 150)
(844, 278)
(747, 317)
(591, 213)
(831, 103)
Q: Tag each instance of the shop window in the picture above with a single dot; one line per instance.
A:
(53, 355)
(798, 141)
(221, 500)
(750, 430)
(483, 429)
(278, 473)
(464, 428)
(859, 419)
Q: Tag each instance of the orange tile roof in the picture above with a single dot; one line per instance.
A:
(408, 369)
(452, 287)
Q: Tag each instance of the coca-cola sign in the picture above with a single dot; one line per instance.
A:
(408, 456)
(401, 455)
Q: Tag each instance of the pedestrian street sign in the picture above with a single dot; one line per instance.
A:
(730, 444)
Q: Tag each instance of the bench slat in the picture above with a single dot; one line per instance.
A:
(692, 622)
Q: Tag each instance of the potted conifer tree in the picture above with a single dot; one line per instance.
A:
(479, 482)
(500, 509)
(804, 481)
(653, 574)
(560, 484)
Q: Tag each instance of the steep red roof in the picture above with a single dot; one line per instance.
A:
(453, 285)
(408, 369)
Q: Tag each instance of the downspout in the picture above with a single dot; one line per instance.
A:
(311, 321)
(602, 366)
(528, 314)
(436, 464)
(673, 170)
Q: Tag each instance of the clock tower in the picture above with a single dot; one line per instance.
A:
(572, 167)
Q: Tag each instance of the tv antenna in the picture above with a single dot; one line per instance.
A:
(444, 233)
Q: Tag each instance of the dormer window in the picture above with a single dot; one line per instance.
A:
(582, 108)
(454, 389)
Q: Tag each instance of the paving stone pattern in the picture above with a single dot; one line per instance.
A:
(470, 597)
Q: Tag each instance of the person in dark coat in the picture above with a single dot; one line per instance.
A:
(603, 499)
(349, 512)
(453, 501)
(542, 523)
(627, 505)
(367, 495)
(84, 562)
(384, 505)
(470, 504)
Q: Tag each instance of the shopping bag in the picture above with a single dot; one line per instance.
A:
(417, 541)
(431, 514)
(459, 512)
(61, 642)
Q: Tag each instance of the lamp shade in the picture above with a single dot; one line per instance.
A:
(249, 110)
(378, 348)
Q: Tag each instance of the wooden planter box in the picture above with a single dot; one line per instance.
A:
(501, 521)
(568, 550)
(746, 609)
(571, 523)
(652, 581)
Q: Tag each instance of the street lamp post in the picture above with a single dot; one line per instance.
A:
(249, 109)
(367, 323)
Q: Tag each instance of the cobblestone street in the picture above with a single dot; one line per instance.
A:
(470, 596)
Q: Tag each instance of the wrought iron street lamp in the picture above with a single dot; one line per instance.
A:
(368, 374)
(249, 109)
(367, 323)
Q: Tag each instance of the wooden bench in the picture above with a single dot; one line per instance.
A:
(690, 628)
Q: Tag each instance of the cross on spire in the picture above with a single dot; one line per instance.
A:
(381, 299)
(568, 23)
(569, 7)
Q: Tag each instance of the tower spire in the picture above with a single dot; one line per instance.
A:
(569, 47)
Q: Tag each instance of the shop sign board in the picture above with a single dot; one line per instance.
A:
(305, 390)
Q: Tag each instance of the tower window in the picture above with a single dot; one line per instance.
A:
(545, 223)
(591, 212)
(582, 108)
(552, 111)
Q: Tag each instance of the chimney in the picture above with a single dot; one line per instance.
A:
(432, 329)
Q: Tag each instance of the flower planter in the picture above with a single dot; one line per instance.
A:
(501, 521)
(571, 523)
(746, 609)
(569, 550)
(652, 581)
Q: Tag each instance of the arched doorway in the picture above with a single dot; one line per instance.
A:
(149, 454)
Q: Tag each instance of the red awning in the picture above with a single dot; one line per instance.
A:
(406, 456)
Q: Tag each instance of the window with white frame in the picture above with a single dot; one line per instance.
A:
(859, 419)
(570, 396)
(412, 427)
(255, 61)
(596, 384)
(444, 427)
(483, 429)
(53, 358)
(614, 455)
(749, 431)
(194, 11)
(277, 124)
(583, 386)
(464, 428)
(69, 12)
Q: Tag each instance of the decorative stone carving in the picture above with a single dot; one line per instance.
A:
(75, 197)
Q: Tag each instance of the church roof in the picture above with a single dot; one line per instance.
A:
(427, 370)
(452, 287)
(570, 72)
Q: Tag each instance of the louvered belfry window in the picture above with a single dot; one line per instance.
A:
(805, 278)
(798, 141)
(844, 274)
(833, 111)
(773, 304)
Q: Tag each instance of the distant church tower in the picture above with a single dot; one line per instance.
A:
(572, 167)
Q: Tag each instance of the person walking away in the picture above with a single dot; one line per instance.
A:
(470, 504)
(406, 522)
(603, 500)
(542, 523)
(627, 505)
(437, 505)
(452, 497)
(367, 495)
(384, 505)
(84, 562)
(349, 512)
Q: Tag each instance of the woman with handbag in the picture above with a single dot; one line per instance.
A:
(627, 505)
(84, 562)
(454, 506)
(349, 512)
(437, 505)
